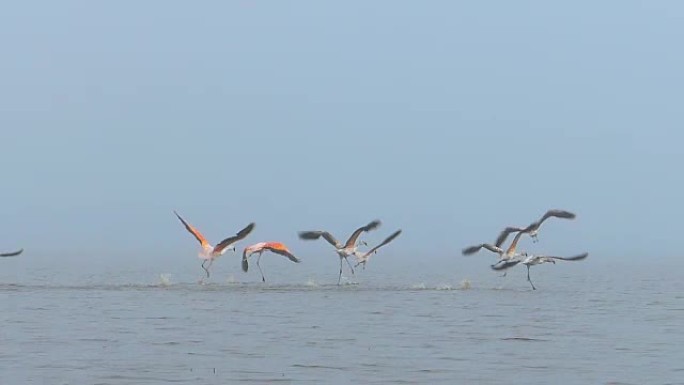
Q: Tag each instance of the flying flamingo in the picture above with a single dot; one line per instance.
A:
(210, 253)
(343, 250)
(503, 255)
(533, 228)
(12, 254)
(366, 256)
(531, 260)
(275, 247)
(510, 253)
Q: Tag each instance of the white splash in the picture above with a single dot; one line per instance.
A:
(444, 286)
(165, 279)
(420, 286)
(465, 284)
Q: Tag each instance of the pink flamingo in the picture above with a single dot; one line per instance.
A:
(209, 253)
(274, 247)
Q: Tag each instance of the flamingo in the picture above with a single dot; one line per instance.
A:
(210, 253)
(531, 260)
(343, 250)
(366, 256)
(533, 228)
(12, 254)
(275, 247)
(509, 254)
(503, 255)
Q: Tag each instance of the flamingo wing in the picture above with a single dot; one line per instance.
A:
(312, 235)
(12, 254)
(504, 234)
(552, 213)
(558, 214)
(351, 242)
(221, 246)
(505, 264)
(279, 248)
(383, 243)
(492, 248)
(514, 244)
(474, 249)
(193, 231)
(573, 258)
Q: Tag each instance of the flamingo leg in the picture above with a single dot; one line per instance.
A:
(208, 266)
(528, 278)
(263, 279)
(350, 266)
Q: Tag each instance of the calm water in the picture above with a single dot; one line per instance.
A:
(586, 324)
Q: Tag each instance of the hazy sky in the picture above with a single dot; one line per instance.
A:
(447, 119)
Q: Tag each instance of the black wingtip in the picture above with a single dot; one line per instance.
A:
(471, 250)
(248, 229)
(308, 235)
(565, 214)
(12, 254)
(578, 257)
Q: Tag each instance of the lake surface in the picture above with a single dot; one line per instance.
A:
(586, 324)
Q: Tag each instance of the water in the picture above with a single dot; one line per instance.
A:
(586, 324)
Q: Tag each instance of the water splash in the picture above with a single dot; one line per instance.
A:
(465, 284)
(419, 286)
(231, 279)
(444, 286)
(165, 279)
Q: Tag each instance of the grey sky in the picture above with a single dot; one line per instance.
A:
(447, 119)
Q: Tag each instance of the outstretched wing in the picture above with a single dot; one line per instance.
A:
(351, 242)
(383, 243)
(230, 240)
(504, 234)
(193, 231)
(12, 254)
(573, 258)
(312, 235)
(279, 248)
(558, 214)
(552, 213)
(474, 249)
